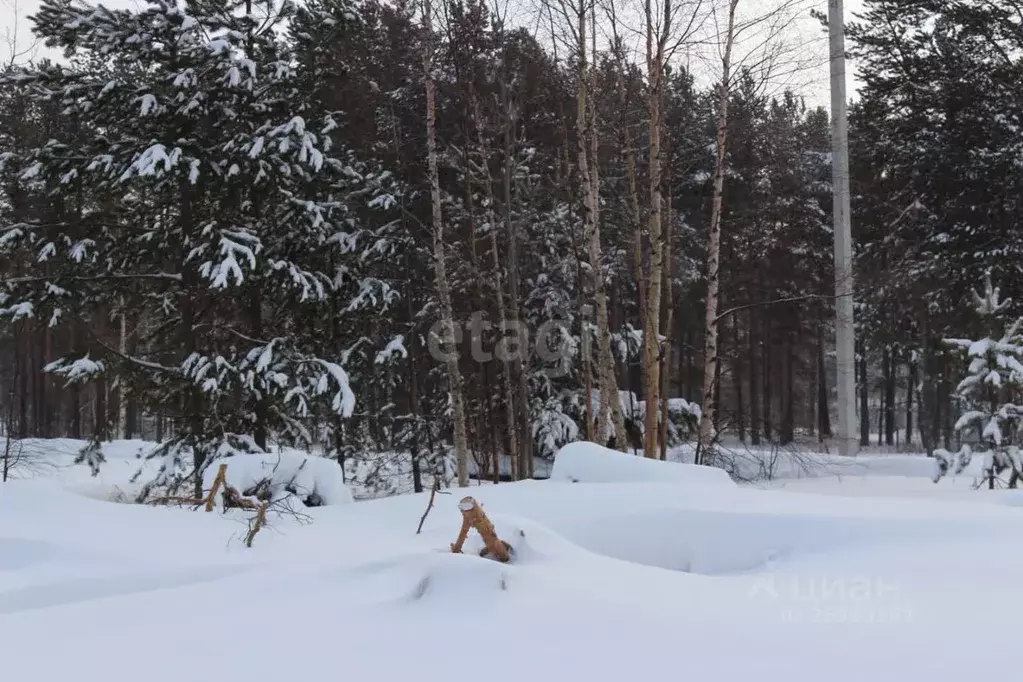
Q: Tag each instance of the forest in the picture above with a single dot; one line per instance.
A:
(362, 227)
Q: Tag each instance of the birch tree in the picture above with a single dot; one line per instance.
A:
(757, 47)
(447, 330)
(610, 401)
(710, 339)
(668, 25)
(575, 16)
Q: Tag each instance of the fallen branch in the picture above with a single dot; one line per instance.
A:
(256, 524)
(235, 500)
(265, 512)
(221, 479)
(208, 501)
(473, 516)
(173, 499)
(232, 498)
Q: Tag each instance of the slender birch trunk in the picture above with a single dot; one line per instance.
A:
(665, 359)
(610, 398)
(439, 266)
(588, 180)
(710, 345)
(651, 329)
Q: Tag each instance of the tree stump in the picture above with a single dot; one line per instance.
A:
(473, 516)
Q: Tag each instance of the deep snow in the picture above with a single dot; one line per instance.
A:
(878, 575)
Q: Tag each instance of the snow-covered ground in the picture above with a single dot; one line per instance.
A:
(866, 571)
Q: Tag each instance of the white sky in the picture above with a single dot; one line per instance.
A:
(811, 82)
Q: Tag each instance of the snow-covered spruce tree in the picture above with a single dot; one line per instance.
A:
(991, 391)
(202, 186)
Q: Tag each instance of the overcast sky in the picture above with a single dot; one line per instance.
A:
(811, 82)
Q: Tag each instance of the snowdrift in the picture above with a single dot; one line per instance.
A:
(810, 586)
(316, 481)
(585, 462)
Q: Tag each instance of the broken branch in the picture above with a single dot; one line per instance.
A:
(473, 516)
(429, 505)
(221, 479)
(256, 524)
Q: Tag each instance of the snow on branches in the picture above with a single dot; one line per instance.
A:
(200, 201)
(992, 391)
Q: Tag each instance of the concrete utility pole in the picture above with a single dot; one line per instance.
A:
(844, 328)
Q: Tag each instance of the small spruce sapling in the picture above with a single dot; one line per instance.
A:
(991, 391)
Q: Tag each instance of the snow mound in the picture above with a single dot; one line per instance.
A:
(1011, 498)
(316, 481)
(76, 590)
(591, 463)
(462, 577)
(535, 543)
(19, 553)
(534, 547)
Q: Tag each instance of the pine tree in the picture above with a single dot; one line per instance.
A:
(935, 138)
(222, 206)
(992, 389)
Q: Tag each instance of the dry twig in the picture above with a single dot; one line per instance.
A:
(433, 493)
(429, 506)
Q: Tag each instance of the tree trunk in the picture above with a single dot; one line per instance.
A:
(45, 399)
(864, 398)
(928, 402)
(665, 358)
(507, 387)
(754, 377)
(823, 414)
(651, 332)
(880, 422)
(259, 427)
(691, 385)
(910, 390)
(454, 374)
(889, 398)
(768, 404)
(22, 341)
(99, 411)
(524, 438)
(413, 396)
(610, 402)
(717, 397)
(75, 388)
(39, 395)
(788, 416)
(943, 407)
(122, 398)
(737, 374)
(710, 346)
